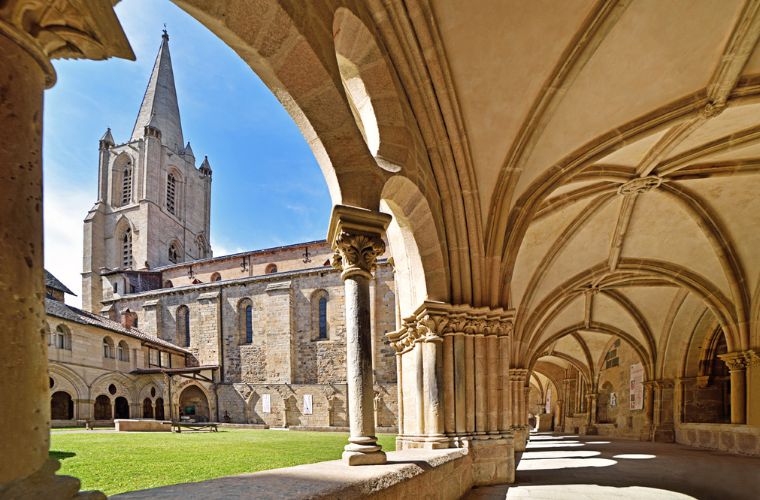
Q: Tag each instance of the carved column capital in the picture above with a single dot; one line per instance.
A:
(736, 360)
(356, 235)
(357, 253)
(64, 29)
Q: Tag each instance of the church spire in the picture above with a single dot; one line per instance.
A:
(159, 107)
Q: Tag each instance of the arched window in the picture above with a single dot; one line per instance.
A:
(271, 268)
(61, 338)
(147, 408)
(168, 284)
(108, 351)
(171, 194)
(216, 277)
(123, 350)
(126, 185)
(319, 326)
(61, 406)
(322, 318)
(245, 310)
(183, 325)
(173, 253)
(102, 408)
(126, 248)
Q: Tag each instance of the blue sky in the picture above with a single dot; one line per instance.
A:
(267, 188)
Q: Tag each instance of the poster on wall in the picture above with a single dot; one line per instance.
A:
(637, 386)
(307, 402)
(548, 408)
(266, 403)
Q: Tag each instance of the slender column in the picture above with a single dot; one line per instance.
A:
(737, 365)
(460, 389)
(469, 355)
(432, 387)
(481, 388)
(492, 356)
(400, 394)
(506, 400)
(419, 382)
(448, 384)
(356, 236)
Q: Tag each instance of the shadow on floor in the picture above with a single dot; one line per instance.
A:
(61, 455)
(595, 467)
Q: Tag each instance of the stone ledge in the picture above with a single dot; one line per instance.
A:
(730, 438)
(408, 473)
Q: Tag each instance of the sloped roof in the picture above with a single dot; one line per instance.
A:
(63, 311)
(54, 283)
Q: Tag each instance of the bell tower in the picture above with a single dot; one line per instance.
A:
(154, 205)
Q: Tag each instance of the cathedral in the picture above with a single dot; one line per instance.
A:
(168, 331)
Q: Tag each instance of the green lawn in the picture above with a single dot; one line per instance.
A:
(119, 462)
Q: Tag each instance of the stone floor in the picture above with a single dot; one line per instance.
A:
(594, 467)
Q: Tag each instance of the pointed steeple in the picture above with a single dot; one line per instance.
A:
(159, 108)
(205, 167)
(107, 139)
(188, 151)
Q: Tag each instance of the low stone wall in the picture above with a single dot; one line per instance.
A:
(139, 425)
(441, 474)
(731, 438)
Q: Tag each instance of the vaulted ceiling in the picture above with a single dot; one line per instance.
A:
(591, 164)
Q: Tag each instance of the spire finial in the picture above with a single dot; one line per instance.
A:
(165, 36)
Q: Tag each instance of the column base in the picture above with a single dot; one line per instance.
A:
(521, 433)
(664, 434)
(361, 458)
(493, 461)
(590, 430)
(363, 450)
(46, 484)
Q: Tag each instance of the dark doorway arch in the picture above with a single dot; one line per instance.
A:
(147, 408)
(121, 407)
(160, 409)
(193, 403)
(61, 406)
(102, 408)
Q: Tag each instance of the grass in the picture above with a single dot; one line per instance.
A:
(119, 462)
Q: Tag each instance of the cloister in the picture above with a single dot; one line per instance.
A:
(560, 184)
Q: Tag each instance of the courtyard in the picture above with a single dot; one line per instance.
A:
(119, 462)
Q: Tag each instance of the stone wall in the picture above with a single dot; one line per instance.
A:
(615, 378)
(244, 403)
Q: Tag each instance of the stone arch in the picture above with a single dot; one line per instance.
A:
(174, 252)
(109, 349)
(125, 236)
(193, 400)
(124, 385)
(122, 179)
(68, 380)
(271, 268)
(371, 90)
(182, 324)
(103, 408)
(147, 408)
(173, 191)
(245, 321)
(305, 86)
(61, 406)
(320, 314)
(216, 277)
(418, 257)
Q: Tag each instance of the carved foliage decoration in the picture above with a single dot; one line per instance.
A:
(357, 253)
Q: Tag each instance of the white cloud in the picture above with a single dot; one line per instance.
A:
(65, 208)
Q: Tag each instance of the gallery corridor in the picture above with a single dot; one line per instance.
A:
(594, 467)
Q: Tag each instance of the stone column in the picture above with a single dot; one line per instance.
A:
(481, 388)
(469, 355)
(26, 47)
(591, 428)
(460, 378)
(448, 384)
(356, 237)
(506, 400)
(737, 365)
(492, 358)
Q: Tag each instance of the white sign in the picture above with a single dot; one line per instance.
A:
(266, 403)
(637, 386)
(549, 401)
(307, 404)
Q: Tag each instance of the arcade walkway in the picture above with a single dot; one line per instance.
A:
(595, 467)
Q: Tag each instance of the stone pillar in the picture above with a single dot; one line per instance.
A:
(449, 422)
(492, 360)
(648, 410)
(663, 415)
(591, 428)
(460, 384)
(481, 387)
(519, 415)
(27, 472)
(506, 393)
(356, 237)
(737, 365)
